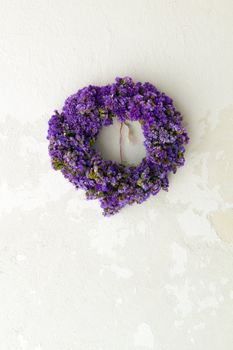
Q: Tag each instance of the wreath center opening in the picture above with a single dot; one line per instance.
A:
(122, 142)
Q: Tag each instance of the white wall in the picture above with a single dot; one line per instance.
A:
(156, 276)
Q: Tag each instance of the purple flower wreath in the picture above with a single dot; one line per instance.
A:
(73, 132)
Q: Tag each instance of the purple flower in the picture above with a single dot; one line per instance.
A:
(73, 132)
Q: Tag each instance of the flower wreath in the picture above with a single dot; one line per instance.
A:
(73, 132)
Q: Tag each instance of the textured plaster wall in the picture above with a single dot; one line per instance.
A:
(158, 276)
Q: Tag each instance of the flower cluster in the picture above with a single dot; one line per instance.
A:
(73, 132)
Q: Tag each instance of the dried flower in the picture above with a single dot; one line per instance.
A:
(73, 132)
